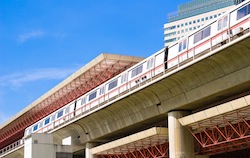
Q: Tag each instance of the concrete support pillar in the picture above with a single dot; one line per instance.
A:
(181, 142)
(88, 154)
(39, 146)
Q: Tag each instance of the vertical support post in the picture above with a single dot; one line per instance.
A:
(181, 142)
(88, 154)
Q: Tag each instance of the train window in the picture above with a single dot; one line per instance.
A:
(222, 23)
(67, 110)
(112, 84)
(83, 101)
(243, 12)
(59, 114)
(47, 121)
(124, 78)
(182, 45)
(136, 71)
(101, 90)
(52, 118)
(150, 63)
(41, 124)
(202, 34)
(225, 21)
(35, 127)
(92, 96)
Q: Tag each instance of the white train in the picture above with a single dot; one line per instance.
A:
(217, 32)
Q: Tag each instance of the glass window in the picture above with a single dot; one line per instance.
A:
(190, 22)
(198, 37)
(241, 12)
(194, 22)
(185, 44)
(92, 96)
(182, 25)
(170, 40)
(225, 21)
(124, 78)
(215, 16)
(136, 71)
(83, 101)
(186, 23)
(35, 127)
(198, 20)
(101, 90)
(202, 19)
(211, 17)
(220, 24)
(112, 84)
(46, 121)
(67, 110)
(150, 63)
(206, 18)
(52, 118)
(59, 114)
(194, 28)
(178, 26)
(180, 46)
(40, 124)
(206, 32)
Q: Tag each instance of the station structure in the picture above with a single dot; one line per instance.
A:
(200, 108)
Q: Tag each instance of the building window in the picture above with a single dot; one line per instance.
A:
(211, 17)
(182, 25)
(186, 23)
(170, 40)
(194, 22)
(170, 28)
(206, 18)
(198, 20)
(215, 16)
(202, 19)
(178, 26)
(190, 22)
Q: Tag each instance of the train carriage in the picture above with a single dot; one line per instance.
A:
(216, 33)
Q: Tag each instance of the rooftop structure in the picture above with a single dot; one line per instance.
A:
(99, 70)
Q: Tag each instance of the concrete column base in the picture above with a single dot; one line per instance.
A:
(88, 154)
(181, 142)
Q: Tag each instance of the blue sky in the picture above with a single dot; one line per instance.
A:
(42, 42)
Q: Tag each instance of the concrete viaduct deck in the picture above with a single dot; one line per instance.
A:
(216, 77)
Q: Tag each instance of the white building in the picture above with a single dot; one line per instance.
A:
(192, 15)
